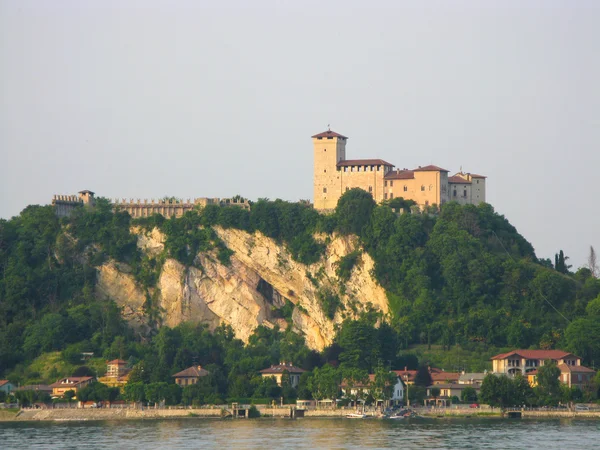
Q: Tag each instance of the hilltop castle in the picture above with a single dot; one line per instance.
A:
(333, 175)
(429, 185)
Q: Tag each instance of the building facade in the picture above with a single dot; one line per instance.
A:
(276, 371)
(428, 185)
(69, 384)
(190, 376)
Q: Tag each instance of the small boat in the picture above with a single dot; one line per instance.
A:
(356, 416)
(396, 416)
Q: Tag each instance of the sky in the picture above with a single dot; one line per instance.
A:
(142, 99)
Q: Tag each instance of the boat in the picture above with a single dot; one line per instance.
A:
(396, 416)
(356, 416)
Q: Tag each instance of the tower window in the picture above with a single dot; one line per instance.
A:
(324, 190)
(405, 188)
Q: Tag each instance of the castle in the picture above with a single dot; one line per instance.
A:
(428, 185)
(333, 175)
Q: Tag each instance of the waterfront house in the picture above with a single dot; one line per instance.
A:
(7, 386)
(447, 391)
(190, 376)
(523, 361)
(276, 371)
(117, 373)
(36, 387)
(69, 384)
(362, 390)
(572, 376)
(438, 376)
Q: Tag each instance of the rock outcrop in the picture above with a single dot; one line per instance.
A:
(261, 278)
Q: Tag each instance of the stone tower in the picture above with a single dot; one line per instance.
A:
(329, 150)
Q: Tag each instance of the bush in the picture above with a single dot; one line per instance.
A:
(253, 412)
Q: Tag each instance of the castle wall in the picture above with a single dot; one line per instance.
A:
(64, 205)
(369, 178)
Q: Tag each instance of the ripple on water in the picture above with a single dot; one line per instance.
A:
(303, 434)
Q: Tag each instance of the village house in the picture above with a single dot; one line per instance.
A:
(526, 363)
(7, 386)
(69, 384)
(363, 391)
(438, 376)
(36, 387)
(190, 376)
(447, 391)
(276, 371)
(117, 373)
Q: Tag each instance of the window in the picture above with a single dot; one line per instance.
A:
(454, 193)
(431, 187)
(370, 189)
(385, 183)
(324, 149)
(324, 190)
(391, 195)
(477, 181)
(345, 169)
(347, 188)
(385, 196)
(422, 188)
(405, 188)
(378, 168)
(325, 171)
(465, 193)
(391, 183)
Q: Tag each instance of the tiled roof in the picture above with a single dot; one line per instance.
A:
(117, 361)
(329, 134)
(192, 372)
(400, 175)
(406, 373)
(430, 168)
(364, 162)
(444, 376)
(576, 369)
(280, 368)
(457, 179)
(3, 382)
(534, 354)
(70, 381)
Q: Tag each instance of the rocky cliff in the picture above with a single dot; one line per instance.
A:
(260, 280)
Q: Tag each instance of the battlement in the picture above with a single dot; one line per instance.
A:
(167, 207)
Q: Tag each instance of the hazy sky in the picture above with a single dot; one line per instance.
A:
(213, 98)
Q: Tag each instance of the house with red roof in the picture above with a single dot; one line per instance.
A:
(526, 363)
(190, 376)
(69, 384)
(277, 370)
(427, 185)
(7, 386)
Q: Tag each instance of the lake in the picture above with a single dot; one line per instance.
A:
(308, 433)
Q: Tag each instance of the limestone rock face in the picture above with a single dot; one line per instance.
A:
(249, 292)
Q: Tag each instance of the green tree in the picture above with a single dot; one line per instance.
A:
(548, 383)
(325, 383)
(355, 380)
(423, 377)
(469, 395)
(353, 211)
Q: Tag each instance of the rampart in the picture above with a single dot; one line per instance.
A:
(64, 205)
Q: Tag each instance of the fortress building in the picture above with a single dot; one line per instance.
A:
(429, 185)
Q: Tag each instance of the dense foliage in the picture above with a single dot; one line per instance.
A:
(458, 276)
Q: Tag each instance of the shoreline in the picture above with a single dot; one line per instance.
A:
(82, 415)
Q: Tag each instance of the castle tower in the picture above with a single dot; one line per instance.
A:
(87, 197)
(329, 150)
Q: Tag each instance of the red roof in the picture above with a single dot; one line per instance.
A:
(430, 168)
(577, 369)
(329, 134)
(457, 179)
(120, 362)
(364, 162)
(400, 175)
(535, 354)
(280, 368)
(410, 374)
(444, 376)
(3, 382)
(70, 381)
(192, 372)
